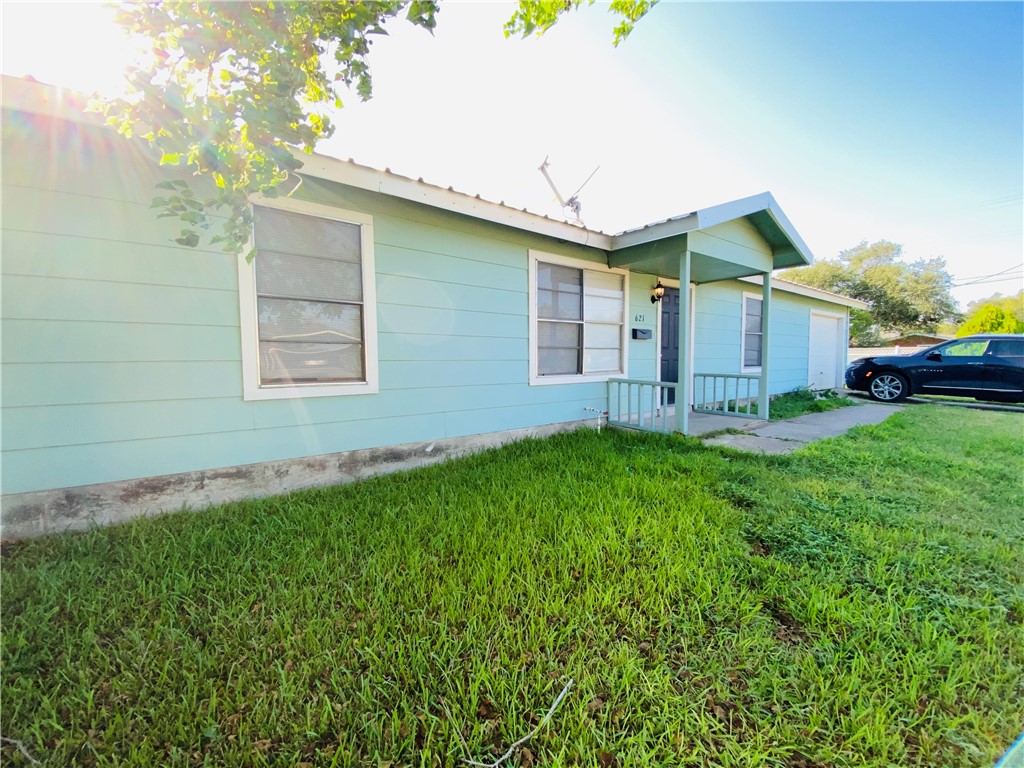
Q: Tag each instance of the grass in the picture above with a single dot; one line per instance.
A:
(966, 400)
(798, 402)
(791, 405)
(858, 603)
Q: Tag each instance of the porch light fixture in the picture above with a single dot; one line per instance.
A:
(657, 293)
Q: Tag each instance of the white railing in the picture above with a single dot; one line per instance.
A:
(728, 394)
(640, 404)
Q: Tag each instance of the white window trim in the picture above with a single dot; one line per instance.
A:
(251, 387)
(567, 261)
(743, 331)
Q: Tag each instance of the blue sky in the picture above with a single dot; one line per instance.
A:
(902, 121)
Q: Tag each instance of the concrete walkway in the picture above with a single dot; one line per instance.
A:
(787, 436)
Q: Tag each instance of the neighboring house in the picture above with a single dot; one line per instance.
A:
(898, 345)
(915, 340)
(385, 322)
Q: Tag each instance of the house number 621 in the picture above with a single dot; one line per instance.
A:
(639, 318)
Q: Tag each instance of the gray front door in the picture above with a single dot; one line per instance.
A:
(670, 339)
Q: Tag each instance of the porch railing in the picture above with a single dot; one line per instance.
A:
(728, 394)
(640, 404)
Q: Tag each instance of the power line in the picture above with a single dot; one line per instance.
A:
(986, 277)
(997, 280)
(983, 277)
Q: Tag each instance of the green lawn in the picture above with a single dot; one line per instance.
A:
(799, 402)
(858, 603)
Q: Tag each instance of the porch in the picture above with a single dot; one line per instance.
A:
(748, 238)
(721, 402)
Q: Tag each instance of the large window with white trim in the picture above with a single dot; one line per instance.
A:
(578, 320)
(753, 332)
(311, 293)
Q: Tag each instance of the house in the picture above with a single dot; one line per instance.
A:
(385, 322)
(907, 344)
(916, 340)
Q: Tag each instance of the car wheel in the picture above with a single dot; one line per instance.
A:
(889, 388)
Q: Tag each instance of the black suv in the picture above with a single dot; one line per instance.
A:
(985, 367)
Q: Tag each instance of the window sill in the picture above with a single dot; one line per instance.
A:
(541, 381)
(310, 390)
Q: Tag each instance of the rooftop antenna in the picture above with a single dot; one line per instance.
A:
(573, 203)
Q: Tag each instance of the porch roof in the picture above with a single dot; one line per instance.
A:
(655, 248)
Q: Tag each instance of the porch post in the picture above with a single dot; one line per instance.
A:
(766, 304)
(685, 374)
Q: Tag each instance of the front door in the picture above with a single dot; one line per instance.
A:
(670, 339)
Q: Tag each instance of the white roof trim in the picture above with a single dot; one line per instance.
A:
(806, 290)
(418, 191)
(710, 217)
(677, 225)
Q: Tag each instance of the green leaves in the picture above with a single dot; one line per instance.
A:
(188, 238)
(991, 318)
(233, 91)
(904, 297)
(538, 16)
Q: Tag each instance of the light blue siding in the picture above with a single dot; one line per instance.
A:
(43, 254)
(79, 341)
(718, 334)
(122, 350)
(643, 355)
(59, 298)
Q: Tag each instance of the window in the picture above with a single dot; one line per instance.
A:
(964, 349)
(308, 311)
(753, 332)
(1010, 351)
(577, 320)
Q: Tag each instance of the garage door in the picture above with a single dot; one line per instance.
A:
(823, 362)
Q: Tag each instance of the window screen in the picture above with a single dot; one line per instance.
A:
(752, 332)
(309, 297)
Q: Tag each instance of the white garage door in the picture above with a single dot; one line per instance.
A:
(823, 364)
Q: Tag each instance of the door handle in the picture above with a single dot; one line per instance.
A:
(975, 363)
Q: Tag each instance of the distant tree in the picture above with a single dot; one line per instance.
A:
(1012, 304)
(904, 297)
(991, 318)
(230, 89)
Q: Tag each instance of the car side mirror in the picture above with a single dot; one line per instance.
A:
(936, 356)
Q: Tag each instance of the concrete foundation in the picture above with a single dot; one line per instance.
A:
(24, 515)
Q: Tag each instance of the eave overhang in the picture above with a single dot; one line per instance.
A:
(762, 211)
